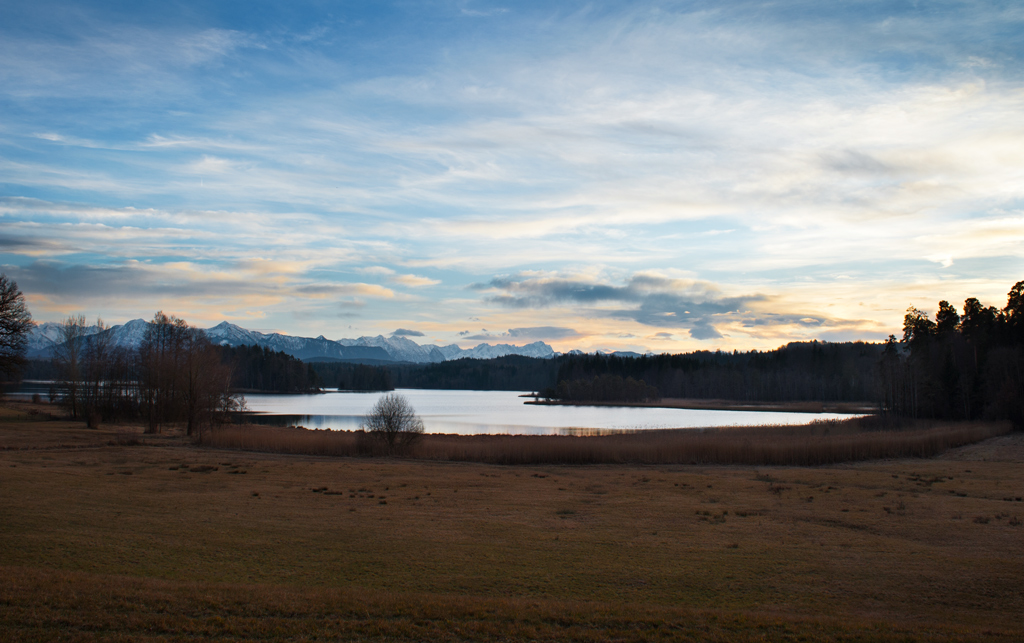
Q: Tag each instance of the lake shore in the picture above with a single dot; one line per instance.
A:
(856, 408)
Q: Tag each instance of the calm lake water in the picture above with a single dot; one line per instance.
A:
(473, 412)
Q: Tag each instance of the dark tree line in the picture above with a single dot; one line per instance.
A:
(959, 365)
(804, 371)
(256, 368)
(348, 376)
(604, 388)
(253, 369)
(810, 371)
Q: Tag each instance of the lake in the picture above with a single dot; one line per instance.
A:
(475, 412)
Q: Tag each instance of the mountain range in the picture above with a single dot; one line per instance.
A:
(44, 337)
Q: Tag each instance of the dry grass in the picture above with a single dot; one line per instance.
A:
(47, 605)
(167, 541)
(811, 445)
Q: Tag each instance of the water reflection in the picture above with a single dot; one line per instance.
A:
(479, 412)
(498, 412)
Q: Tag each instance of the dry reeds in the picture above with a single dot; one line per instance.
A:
(813, 444)
(297, 440)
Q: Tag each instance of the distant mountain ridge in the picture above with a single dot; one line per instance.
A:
(45, 337)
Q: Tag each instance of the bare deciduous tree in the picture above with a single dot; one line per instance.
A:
(182, 378)
(206, 382)
(394, 422)
(68, 354)
(160, 357)
(15, 323)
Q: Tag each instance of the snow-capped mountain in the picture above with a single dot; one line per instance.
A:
(44, 337)
(306, 348)
(129, 335)
(451, 351)
(630, 354)
(486, 351)
(401, 349)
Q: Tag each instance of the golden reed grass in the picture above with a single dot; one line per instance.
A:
(818, 443)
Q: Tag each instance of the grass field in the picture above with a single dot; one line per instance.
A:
(105, 539)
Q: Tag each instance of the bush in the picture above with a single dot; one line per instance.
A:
(394, 422)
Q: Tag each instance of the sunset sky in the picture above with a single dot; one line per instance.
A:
(664, 176)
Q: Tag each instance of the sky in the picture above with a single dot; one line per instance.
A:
(651, 176)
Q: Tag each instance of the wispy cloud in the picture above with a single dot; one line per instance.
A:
(532, 334)
(414, 281)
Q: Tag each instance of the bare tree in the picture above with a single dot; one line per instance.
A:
(206, 382)
(68, 354)
(15, 323)
(394, 422)
(182, 377)
(160, 359)
(96, 367)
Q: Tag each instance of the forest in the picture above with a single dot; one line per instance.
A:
(795, 372)
(605, 388)
(959, 365)
(259, 369)
(802, 371)
(347, 376)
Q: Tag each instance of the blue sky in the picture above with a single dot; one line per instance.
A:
(662, 176)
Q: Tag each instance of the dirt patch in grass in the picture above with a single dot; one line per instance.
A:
(1006, 448)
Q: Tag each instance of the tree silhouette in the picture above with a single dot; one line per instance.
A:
(393, 421)
(15, 323)
(947, 320)
(69, 355)
(182, 378)
(1014, 312)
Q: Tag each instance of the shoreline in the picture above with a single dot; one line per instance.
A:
(853, 408)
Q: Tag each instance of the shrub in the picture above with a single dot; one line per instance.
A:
(394, 422)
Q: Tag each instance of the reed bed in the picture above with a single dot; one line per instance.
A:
(819, 443)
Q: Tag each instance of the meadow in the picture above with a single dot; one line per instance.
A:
(106, 534)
